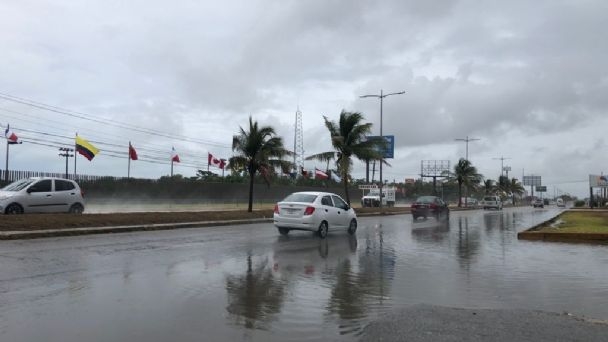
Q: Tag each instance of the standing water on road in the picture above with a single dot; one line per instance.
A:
(249, 283)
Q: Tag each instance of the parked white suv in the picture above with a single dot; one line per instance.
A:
(491, 202)
(41, 195)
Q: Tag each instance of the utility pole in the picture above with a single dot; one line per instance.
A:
(467, 139)
(66, 153)
(381, 97)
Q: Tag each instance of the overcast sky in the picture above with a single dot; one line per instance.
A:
(526, 78)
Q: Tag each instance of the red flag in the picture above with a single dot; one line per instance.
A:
(217, 162)
(320, 174)
(10, 135)
(132, 152)
(174, 156)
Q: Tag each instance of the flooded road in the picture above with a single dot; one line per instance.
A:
(246, 282)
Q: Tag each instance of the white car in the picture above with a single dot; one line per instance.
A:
(492, 202)
(314, 211)
(41, 195)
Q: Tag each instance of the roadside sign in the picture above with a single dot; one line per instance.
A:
(389, 152)
(541, 188)
(532, 180)
(598, 181)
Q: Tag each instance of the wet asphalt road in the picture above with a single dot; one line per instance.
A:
(246, 282)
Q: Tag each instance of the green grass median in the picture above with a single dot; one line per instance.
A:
(580, 222)
(572, 226)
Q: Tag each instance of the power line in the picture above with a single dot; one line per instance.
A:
(84, 116)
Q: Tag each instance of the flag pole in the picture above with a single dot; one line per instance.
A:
(6, 170)
(171, 167)
(75, 155)
(129, 161)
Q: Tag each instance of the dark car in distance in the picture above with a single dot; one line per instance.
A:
(430, 206)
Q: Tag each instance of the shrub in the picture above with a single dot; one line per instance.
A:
(579, 203)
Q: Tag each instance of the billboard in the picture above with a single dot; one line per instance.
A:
(389, 152)
(541, 188)
(532, 180)
(435, 168)
(598, 181)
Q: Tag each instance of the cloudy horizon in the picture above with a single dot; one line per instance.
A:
(525, 78)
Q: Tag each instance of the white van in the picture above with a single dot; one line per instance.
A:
(560, 202)
(41, 195)
(491, 202)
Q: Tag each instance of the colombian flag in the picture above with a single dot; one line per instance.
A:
(86, 148)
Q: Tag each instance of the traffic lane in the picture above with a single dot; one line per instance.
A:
(215, 282)
(155, 286)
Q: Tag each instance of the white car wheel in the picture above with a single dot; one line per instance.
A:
(323, 230)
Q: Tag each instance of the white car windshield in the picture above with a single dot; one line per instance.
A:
(19, 185)
(299, 197)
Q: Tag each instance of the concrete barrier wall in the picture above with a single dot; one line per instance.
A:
(197, 192)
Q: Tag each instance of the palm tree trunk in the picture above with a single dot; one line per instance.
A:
(251, 175)
(345, 181)
(459, 194)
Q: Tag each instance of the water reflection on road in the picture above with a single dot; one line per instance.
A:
(247, 282)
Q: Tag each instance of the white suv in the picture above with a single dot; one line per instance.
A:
(491, 202)
(41, 195)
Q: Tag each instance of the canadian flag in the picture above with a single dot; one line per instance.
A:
(174, 156)
(10, 135)
(132, 152)
(217, 162)
(320, 174)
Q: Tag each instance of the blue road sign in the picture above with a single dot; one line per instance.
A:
(389, 152)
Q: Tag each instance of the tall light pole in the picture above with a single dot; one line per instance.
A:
(466, 188)
(467, 139)
(381, 97)
(502, 166)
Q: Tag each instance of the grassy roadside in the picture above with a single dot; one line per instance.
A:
(579, 222)
(572, 226)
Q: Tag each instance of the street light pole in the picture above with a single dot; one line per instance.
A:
(467, 139)
(502, 167)
(381, 97)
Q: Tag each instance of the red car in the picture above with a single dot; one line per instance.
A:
(426, 206)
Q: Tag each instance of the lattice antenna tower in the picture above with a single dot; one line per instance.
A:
(298, 143)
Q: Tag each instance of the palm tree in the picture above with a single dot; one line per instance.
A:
(503, 185)
(348, 138)
(516, 188)
(488, 186)
(260, 150)
(466, 174)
